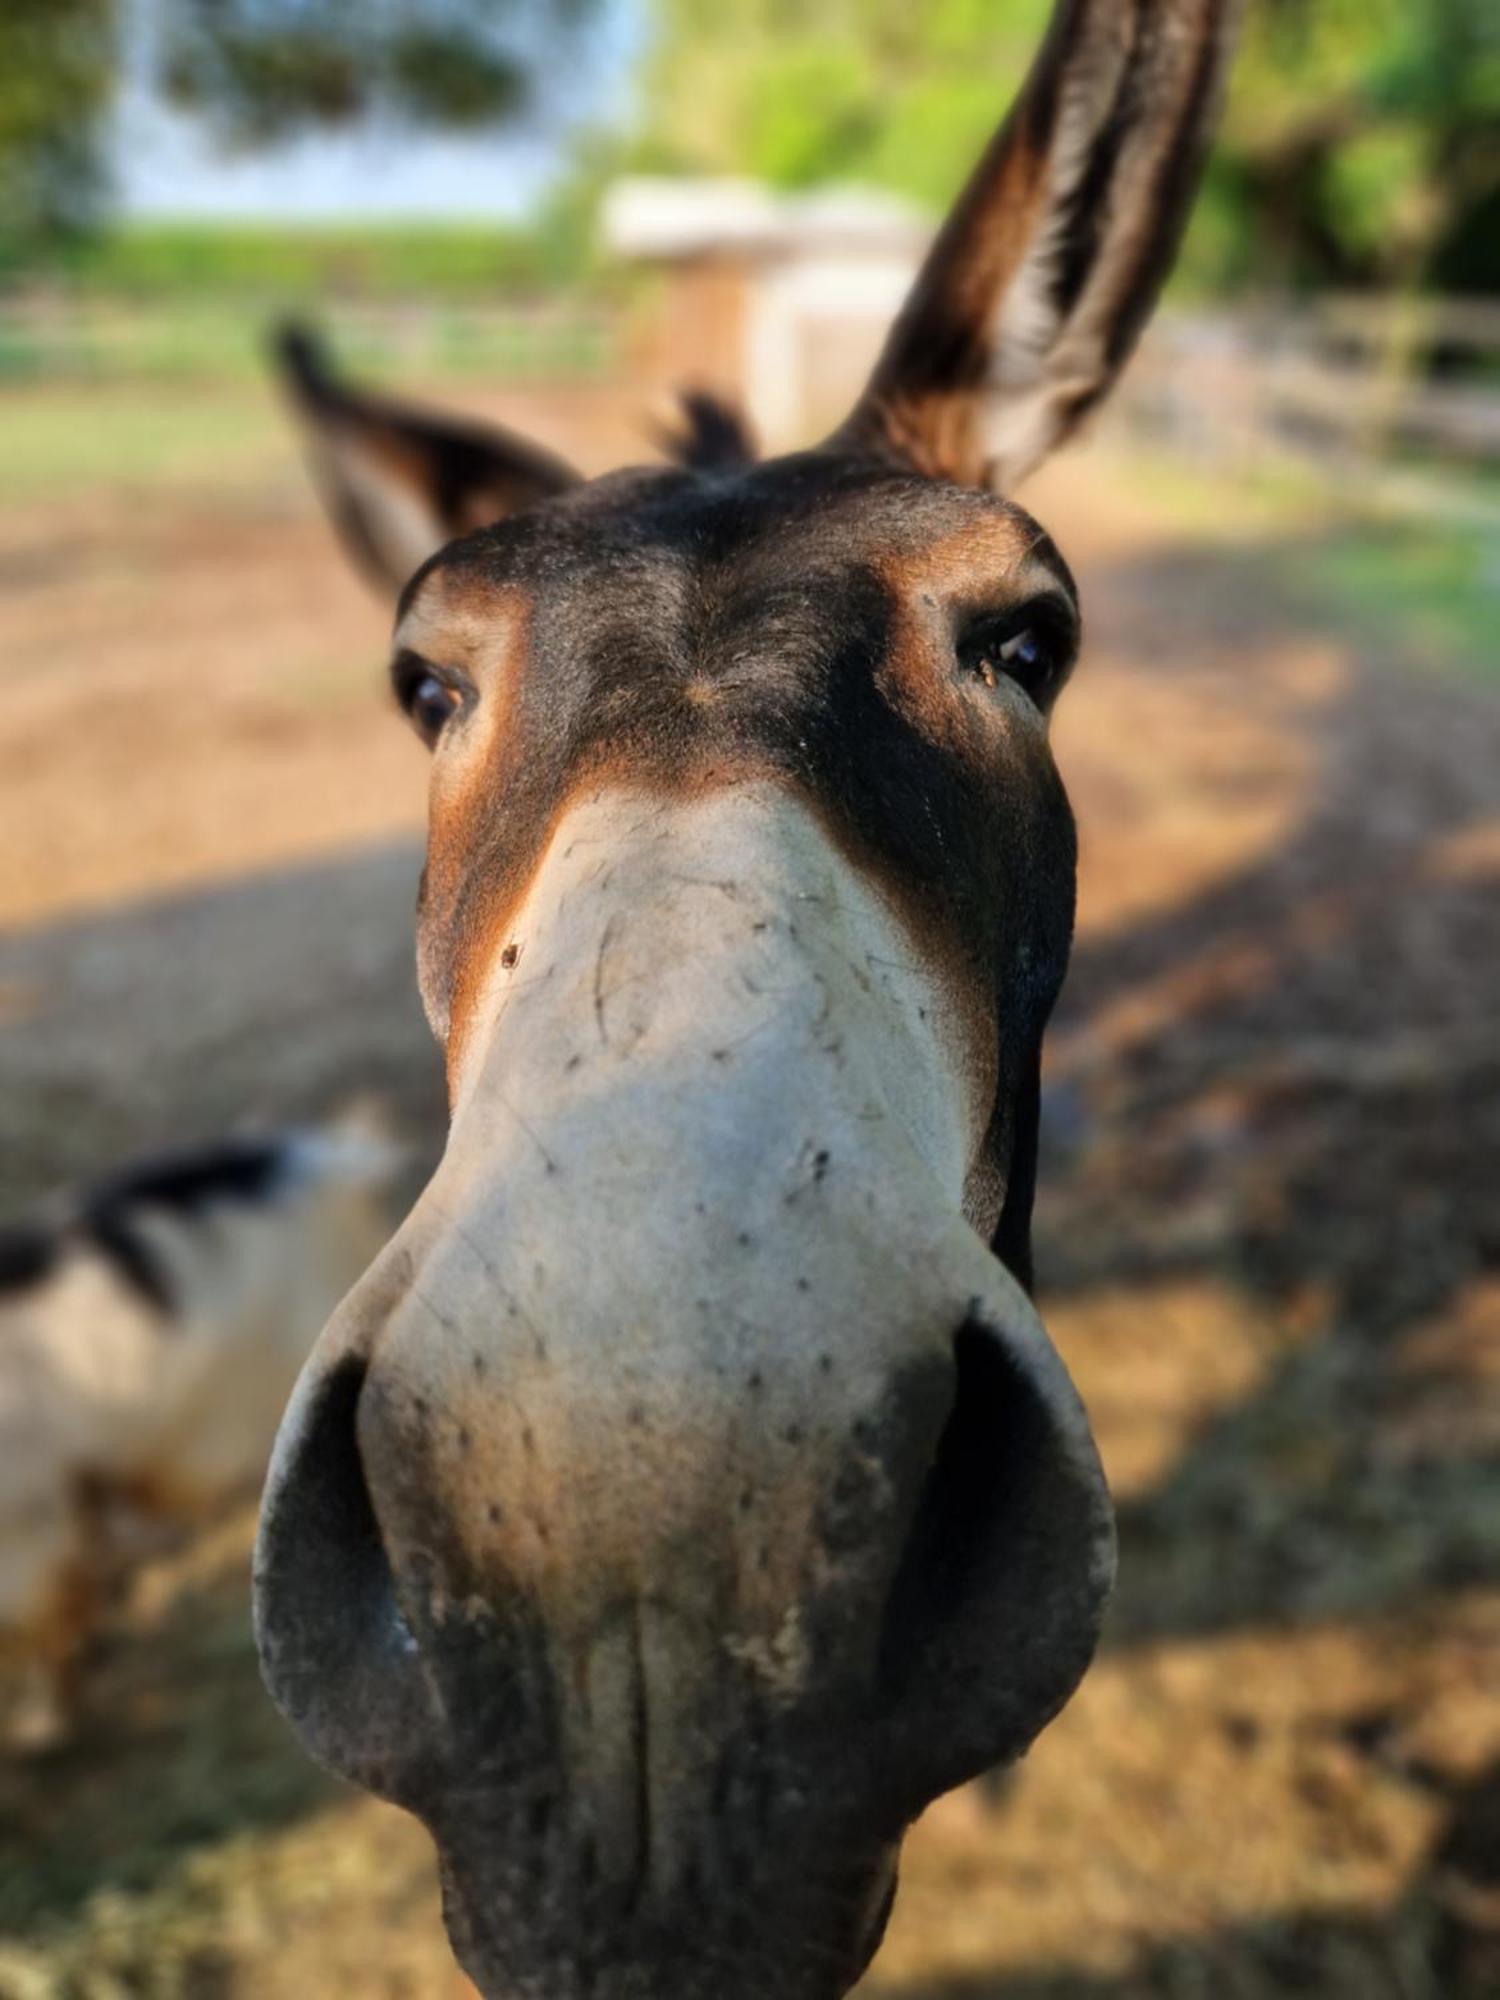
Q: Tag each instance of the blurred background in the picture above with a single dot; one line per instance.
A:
(1270, 1214)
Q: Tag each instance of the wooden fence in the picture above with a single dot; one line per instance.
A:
(1402, 394)
(1398, 399)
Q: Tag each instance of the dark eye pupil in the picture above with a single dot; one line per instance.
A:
(1022, 658)
(431, 703)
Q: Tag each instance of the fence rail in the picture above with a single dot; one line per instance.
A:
(1402, 394)
(71, 336)
(1399, 395)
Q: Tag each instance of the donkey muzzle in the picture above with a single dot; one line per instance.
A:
(668, 1630)
(686, 1496)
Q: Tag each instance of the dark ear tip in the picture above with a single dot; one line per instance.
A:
(301, 354)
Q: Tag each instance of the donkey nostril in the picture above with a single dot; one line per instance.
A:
(974, 1505)
(335, 1651)
(995, 1609)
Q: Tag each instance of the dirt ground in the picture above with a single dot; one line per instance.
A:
(1268, 1243)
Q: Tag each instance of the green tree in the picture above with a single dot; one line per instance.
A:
(803, 91)
(1361, 144)
(1364, 138)
(57, 61)
(255, 71)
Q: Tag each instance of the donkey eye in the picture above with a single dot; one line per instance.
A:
(428, 699)
(1034, 649)
(431, 705)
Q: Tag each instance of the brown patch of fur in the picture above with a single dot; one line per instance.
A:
(923, 405)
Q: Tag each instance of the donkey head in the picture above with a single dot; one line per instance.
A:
(689, 1493)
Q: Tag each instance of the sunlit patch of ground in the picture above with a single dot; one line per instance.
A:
(1472, 852)
(1267, 1228)
(1248, 1804)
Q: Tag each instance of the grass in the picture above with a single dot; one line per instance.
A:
(221, 338)
(177, 261)
(179, 300)
(1427, 588)
(63, 440)
(1437, 586)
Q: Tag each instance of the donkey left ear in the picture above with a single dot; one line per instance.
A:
(400, 482)
(1039, 284)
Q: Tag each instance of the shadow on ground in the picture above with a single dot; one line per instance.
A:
(1440, 1938)
(1315, 1115)
(276, 996)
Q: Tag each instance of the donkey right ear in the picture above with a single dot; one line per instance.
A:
(1042, 277)
(398, 481)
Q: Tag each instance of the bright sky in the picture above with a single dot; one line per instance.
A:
(165, 165)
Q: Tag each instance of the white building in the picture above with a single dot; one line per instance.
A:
(779, 301)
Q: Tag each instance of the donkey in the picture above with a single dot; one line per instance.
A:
(690, 1492)
(152, 1324)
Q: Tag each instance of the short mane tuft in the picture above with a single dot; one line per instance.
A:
(714, 435)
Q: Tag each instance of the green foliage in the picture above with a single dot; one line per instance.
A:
(260, 70)
(1361, 143)
(172, 261)
(1362, 137)
(255, 71)
(56, 67)
(1366, 134)
(873, 90)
